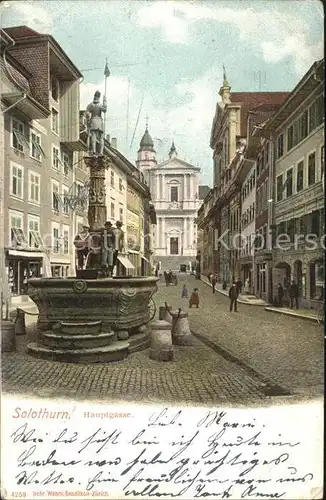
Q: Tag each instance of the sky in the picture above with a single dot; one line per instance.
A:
(166, 59)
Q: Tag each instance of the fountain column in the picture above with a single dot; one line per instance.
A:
(97, 207)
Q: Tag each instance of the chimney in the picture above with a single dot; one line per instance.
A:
(114, 143)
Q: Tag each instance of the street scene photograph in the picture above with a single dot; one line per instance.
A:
(162, 202)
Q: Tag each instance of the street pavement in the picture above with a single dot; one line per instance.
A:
(285, 351)
(246, 358)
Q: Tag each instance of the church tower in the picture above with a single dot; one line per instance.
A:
(146, 153)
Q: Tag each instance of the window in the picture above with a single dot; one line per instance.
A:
(34, 188)
(36, 149)
(280, 146)
(290, 137)
(18, 137)
(121, 214)
(112, 179)
(55, 239)
(34, 237)
(311, 169)
(55, 197)
(66, 164)
(320, 110)
(303, 126)
(322, 162)
(279, 187)
(300, 176)
(55, 121)
(65, 197)
(55, 158)
(315, 222)
(289, 182)
(66, 240)
(17, 237)
(174, 193)
(120, 185)
(55, 89)
(112, 210)
(16, 181)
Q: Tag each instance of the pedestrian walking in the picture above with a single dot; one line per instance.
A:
(233, 295)
(280, 294)
(213, 281)
(239, 286)
(184, 294)
(194, 298)
(294, 295)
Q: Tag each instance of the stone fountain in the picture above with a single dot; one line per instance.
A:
(94, 317)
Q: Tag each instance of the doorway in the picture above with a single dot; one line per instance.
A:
(174, 246)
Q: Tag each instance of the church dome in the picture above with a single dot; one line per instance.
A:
(147, 144)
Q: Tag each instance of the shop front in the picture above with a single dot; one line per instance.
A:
(22, 265)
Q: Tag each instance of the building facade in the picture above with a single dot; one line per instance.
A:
(40, 95)
(174, 185)
(298, 208)
(233, 170)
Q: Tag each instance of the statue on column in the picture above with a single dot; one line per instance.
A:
(95, 124)
(118, 243)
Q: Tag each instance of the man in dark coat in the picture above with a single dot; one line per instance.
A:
(294, 295)
(213, 282)
(280, 294)
(233, 295)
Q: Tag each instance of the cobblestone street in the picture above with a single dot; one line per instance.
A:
(283, 351)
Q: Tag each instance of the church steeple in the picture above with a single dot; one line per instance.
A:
(173, 152)
(146, 143)
(146, 153)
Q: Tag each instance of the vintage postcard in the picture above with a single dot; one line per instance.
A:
(162, 247)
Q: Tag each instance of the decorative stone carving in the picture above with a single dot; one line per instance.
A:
(114, 302)
(79, 286)
(161, 348)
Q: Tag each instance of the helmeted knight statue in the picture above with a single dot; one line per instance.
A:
(95, 124)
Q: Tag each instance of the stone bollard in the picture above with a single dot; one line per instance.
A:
(20, 325)
(181, 334)
(8, 337)
(161, 348)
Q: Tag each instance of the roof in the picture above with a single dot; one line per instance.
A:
(24, 34)
(308, 84)
(146, 144)
(17, 32)
(251, 101)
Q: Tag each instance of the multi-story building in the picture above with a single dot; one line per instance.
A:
(228, 141)
(174, 185)
(116, 190)
(129, 201)
(40, 93)
(298, 199)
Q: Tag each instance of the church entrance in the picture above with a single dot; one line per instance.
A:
(174, 246)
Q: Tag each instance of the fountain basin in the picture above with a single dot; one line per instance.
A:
(86, 320)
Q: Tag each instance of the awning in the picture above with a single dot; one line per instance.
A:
(144, 258)
(125, 262)
(21, 253)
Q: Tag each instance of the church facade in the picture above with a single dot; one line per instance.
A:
(174, 187)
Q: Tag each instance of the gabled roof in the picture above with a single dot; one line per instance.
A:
(183, 164)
